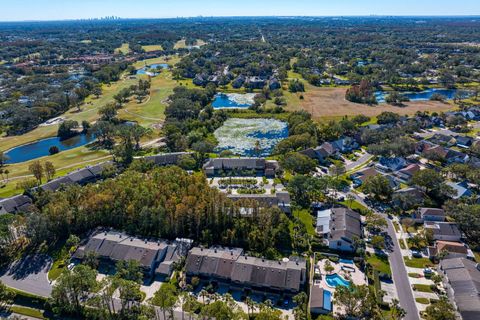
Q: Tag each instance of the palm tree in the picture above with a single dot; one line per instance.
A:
(250, 305)
(203, 294)
(350, 199)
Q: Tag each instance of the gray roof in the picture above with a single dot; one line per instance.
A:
(117, 246)
(431, 212)
(236, 163)
(231, 264)
(166, 159)
(443, 228)
(345, 224)
(15, 204)
(463, 277)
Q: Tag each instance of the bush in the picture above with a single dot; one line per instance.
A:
(53, 150)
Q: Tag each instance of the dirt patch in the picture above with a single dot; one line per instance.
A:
(325, 103)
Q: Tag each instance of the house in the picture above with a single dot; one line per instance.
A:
(241, 166)
(429, 214)
(320, 299)
(16, 204)
(345, 145)
(238, 82)
(447, 231)
(430, 150)
(443, 139)
(462, 283)
(453, 156)
(339, 227)
(390, 164)
(406, 174)
(413, 194)
(167, 159)
(199, 80)
(464, 142)
(319, 153)
(361, 176)
(274, 84)
(280, 199)
(462, 190)
(451, 250)
(255, 83)
(155, 257)
(392, 182)
(232, 267)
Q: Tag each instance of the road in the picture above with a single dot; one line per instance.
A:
(359, 162)
(399, 272)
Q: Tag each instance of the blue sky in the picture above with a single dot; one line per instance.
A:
(15, 10)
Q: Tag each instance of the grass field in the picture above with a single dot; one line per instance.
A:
(422, 288)
(379, 263)
(150, 48)
(124, 49)
(307, 220)
(329, 103)
(181, 44)
(29, 312)
(417, 262)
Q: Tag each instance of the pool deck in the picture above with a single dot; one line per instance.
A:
(357, 277)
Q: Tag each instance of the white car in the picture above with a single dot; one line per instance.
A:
(71, 266)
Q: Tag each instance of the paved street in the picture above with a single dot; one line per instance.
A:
(360, 161)
(29, 274)
(400, 276)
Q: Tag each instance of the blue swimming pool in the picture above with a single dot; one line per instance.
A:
(346, 261)
(335, 280)
(327, 300)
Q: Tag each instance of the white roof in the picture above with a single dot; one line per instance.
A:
(323, 221)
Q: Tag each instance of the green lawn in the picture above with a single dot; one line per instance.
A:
(423, 288)
(422, 300)
(417, 262)
(379, 263)
(414, 275)
(57, 268)
(354, 205)
(29, 312)
(307, 219)
(150, 48)
(124, 49)
(402, 244)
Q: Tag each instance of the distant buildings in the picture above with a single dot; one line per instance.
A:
(234, 268)
(280, 199)
(241, 167)
(16, 204)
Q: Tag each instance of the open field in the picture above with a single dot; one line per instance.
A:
(330, 103)
(150, 48)
(172, 60)
(181, 44)
(124, 49)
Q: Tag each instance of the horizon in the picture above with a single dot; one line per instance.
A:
(57, 10)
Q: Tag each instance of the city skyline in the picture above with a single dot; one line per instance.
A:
(88, 9)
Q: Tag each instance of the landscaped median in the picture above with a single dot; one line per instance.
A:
(28, 304)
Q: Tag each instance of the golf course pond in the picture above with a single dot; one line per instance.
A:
(424, 95)
(233, 101)
(250, 137)
(40, 148)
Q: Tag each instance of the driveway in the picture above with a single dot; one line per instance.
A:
(360, 161)
(399, 272)
(30, 274)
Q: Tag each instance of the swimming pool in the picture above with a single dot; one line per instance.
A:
(335, 280)
(346, 261)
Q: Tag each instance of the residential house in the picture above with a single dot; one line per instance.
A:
(15, 204)
(232, 267)
(453, 156)
(345, 145)
(238, 82)
(413, 194)
(167, 159)
(449, 250)
(446, 231)
(320, 299)
(255, 83)
(462, 283)
(406, 174)
(464, 142)
(274, 84)
(361, 176)
(390, 164)
(339, 227)
(241, 166)
(319, 153)
(155, 257)
(462, 190)
(443, 139)
(429, 214)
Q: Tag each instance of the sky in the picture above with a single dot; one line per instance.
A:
(20, 10)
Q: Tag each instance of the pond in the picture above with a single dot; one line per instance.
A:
(150, 70)
(233, 101)
(251, 137)
(40, 148)
(419, 96)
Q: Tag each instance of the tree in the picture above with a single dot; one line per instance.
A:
(379, 187)
(129, 270)
(97, 92)
(440, 310)
(298, 163)
(3, 159)
(66, 129)
(301, 310)
(396, 311)
(355, 301)
(49, 169)
(165, 298)
(108, 112)
(6, 296)
(378, 242)
(327, 266)
(36, 170)
(375, 223)
(53, 150)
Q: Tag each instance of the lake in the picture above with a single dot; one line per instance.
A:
(40, 148)
(233, 101)
(419, 96)
(150, 70)
(241, 136)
